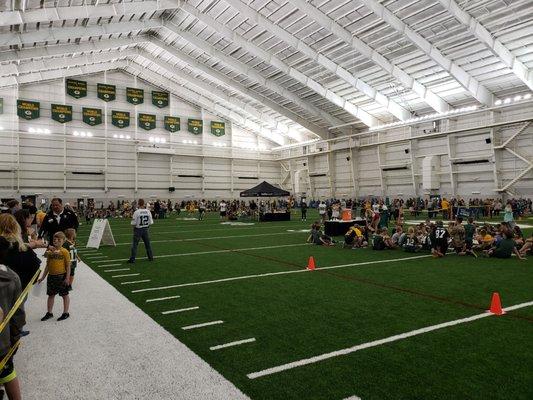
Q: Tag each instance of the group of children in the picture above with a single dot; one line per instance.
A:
(499, 241)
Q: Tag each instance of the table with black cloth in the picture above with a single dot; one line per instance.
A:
(278, 216)
(338, 228)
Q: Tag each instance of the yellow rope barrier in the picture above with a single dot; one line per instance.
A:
(19, 301)
(8, 355)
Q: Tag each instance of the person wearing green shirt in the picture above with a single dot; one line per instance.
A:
(505, 248)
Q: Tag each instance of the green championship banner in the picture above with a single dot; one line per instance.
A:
(134, 96)
(146, 121)
(160, 99)
(172, 124)
(92, 116)
(61, 113)
(1, 105)
(195, 126)
(120, 119)
(28, 109)
(76, 89)
(106, 92)
(218, 128)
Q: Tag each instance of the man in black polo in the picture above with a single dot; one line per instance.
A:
(57, 219)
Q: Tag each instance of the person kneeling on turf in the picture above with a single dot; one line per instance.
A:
(354, 238)
(439, 240)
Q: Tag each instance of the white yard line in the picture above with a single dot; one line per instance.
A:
(213, 238)
(107, 265)
(231, 344)
(116, 269)
(188, 327)
(216, 251)
(374, 343)
(296, 271)
(162, 298)
(93, 258)
(132, 282)
(352, 398)
(180, 310)
(124, 275)
(179, 231)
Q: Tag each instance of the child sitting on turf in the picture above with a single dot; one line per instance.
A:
(527, 248)
(484, 240)
(389, 244)
(378, 242)
(58, 271)
(411, 241)
(316, 236)
(10, 290)
(70, 245)
(504, 249)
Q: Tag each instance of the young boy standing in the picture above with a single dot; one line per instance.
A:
(70, 245)
(58, 271)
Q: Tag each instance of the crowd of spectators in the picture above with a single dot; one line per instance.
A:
(24, 228)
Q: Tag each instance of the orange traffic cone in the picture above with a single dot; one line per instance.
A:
(496, 305)
(311, 264)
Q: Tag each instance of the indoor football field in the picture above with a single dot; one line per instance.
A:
(364, 324)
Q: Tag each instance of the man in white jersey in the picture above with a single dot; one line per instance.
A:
(141, 221)
(223, 209)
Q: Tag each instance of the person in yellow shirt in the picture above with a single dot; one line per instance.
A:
(58, 271)
(445, 205)
(354, 237)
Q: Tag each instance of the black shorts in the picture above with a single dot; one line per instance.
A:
(442, 245)
(55, 284)
(72, 270)
(222, 213)
(8, 373)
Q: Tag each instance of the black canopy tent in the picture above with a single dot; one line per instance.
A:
(265, 189)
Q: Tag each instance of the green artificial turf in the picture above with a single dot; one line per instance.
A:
(297, 315)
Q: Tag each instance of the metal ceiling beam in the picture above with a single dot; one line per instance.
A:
(519, 69)
(430, 98)
(28, 72)
(248, 12)
(226, 81)
(51, 64)
(204, 102)
(51, 14)
(471, 84)
(55, 63)
(61, 73)
(209, 90)
(246, 70)
(70, 33)
(66, 49)
(66, 33)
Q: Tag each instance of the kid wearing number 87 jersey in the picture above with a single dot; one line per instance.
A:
(141, 221)
(439, 240)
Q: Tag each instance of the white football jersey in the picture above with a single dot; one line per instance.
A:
(142, 218)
